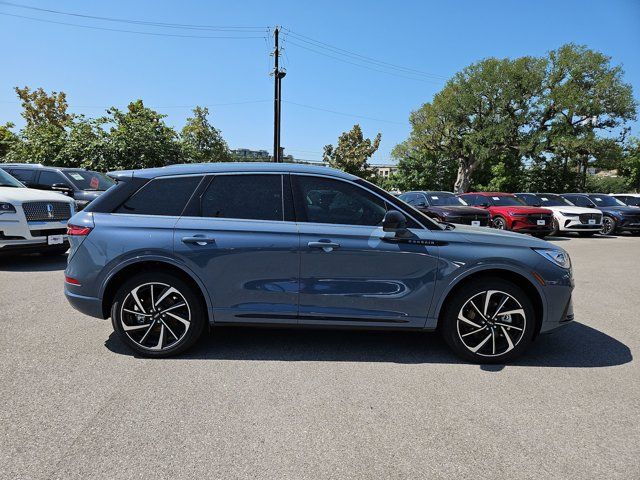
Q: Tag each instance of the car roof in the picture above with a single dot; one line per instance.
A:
(490, 194)
(227, 167)
(39, 166)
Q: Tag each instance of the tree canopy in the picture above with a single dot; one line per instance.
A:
(352, 152)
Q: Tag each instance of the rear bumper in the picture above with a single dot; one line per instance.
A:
(88, 305)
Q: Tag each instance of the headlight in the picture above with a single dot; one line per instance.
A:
(518, 214)
(7, 208)
(559, 257)
(569, 214)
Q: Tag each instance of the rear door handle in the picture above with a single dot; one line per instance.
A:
(326, 246)
(198, 240)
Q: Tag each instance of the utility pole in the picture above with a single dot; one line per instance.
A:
(278, 75)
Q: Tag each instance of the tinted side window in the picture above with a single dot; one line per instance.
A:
(22, 174)
(324, 200)
(161, 196)
(48, 178)
(253, 197)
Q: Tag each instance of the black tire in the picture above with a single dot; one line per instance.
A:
(499, 223)
(556, 227)
(609, 225)
(188, 333)
(453, 330)
(586, 234)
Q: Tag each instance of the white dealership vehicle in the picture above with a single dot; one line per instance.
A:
(629, 199)
(32, 220)
(566, 216)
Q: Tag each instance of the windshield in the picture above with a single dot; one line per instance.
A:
(606, 201)
(445, 200)
(505, 201)
(554, 201)
(633, 201)
(7, 180)
(88, 180)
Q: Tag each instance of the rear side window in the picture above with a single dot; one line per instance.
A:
(161, 196)
(22, 174)
(248, 197)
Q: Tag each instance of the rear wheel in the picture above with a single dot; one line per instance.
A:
(157, 314)
(609, 225)
(489, 321)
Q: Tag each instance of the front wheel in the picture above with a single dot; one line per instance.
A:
(489, 321)
(500, 223)
(608, 226)
(157, 314)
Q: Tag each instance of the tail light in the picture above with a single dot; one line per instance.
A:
(78, 231)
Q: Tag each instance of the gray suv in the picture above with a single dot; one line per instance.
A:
(169, 252)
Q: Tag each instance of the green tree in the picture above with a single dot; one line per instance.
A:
(139, 138)
(201, 141)
(353, 152)
(630, 166)
(8, 139)
(42, 108)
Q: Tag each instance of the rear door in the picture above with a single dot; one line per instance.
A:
(350, 274)
(239, 236)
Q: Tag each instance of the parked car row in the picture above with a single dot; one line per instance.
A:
(539, 214)
(36, 203)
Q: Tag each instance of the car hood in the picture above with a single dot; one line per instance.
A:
(458, 210)
(499, 237)
(572, 209)
(87, 194)
(624, 210)
(18, 195)
(521, 209)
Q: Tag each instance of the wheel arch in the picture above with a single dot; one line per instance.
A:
(517, 278)
(116, 278)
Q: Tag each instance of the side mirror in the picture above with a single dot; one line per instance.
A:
(61, 187)
(394, 221)
(484, 205)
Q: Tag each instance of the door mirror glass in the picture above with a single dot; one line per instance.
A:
(394, 221)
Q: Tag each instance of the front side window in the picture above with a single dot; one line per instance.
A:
(325, 200)
(48, 178)
(249, 197)
(161, 196)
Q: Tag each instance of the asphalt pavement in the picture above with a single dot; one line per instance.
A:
(287, 404)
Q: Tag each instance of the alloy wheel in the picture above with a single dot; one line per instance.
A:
(155, 316)
(499, 223)
(608, 224)
(491, 323)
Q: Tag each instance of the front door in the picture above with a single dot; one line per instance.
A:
(349, 274)
(238, 242)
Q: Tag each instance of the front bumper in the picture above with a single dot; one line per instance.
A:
(566, 318)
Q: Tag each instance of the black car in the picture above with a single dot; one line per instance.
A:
(618, 217)
(446, 207)
(80, 184)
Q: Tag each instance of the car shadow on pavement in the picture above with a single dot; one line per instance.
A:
(577, 345)
(32, 263)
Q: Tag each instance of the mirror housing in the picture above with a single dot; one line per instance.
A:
(394, 221)
(62, 187)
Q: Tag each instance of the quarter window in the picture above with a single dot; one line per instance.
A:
(251, 197)
(324, 200)
(161, 196)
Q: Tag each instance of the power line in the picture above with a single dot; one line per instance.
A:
(137, 22)
(343, 113)
(356, 57)
(155, 34)
(388, 72)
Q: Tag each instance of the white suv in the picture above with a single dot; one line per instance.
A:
(32, 220)
(566, 216)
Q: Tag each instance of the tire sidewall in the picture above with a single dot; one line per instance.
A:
(198, 318)
(613, 223)
(449, 319)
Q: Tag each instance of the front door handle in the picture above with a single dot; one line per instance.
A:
(326, 246)
(198, 240)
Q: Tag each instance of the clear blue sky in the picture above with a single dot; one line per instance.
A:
(98, 68)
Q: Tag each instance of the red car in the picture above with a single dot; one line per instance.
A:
(509, 213)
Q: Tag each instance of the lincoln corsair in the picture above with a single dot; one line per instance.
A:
(170, 252)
